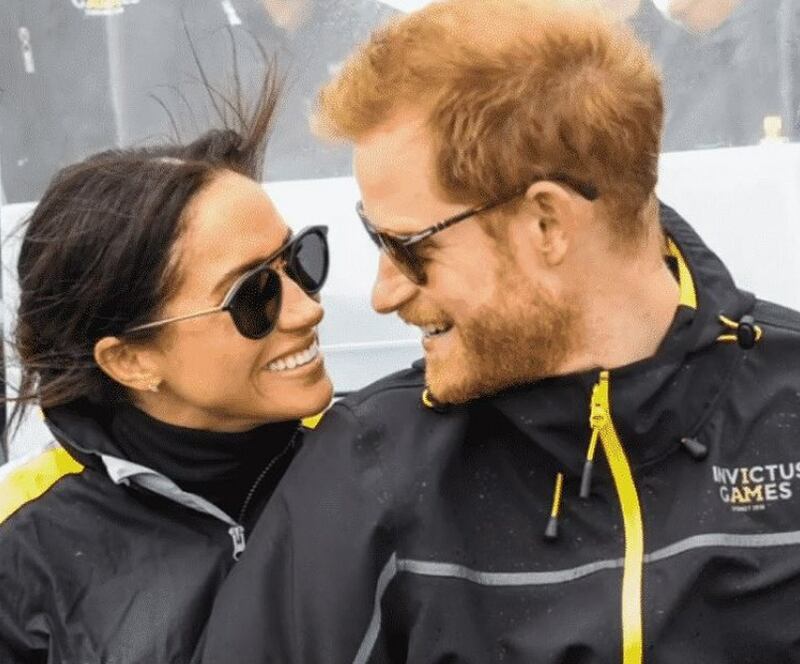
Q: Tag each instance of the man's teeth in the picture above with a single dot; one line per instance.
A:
(433, 330)
(296, 360)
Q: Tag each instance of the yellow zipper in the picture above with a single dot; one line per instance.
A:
(603, 427)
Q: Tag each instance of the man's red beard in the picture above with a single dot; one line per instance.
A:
(526, 336)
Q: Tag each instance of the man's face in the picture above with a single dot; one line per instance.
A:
(288, 14)
(486, 323)
(699, 15)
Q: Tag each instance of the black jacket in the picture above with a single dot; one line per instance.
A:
(103, 561)
(404, 534)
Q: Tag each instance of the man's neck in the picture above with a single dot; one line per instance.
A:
(628, 314)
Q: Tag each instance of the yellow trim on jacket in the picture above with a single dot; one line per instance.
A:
(688, 292)
(33, 478)
(312, 421)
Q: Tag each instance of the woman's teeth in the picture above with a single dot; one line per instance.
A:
(296, 360)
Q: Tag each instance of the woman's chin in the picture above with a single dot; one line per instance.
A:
(307, 400)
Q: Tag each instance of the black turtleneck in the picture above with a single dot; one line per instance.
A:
(220, 467)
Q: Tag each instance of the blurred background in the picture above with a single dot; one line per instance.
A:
(80, 76)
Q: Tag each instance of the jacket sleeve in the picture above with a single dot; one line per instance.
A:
(17, 644)
(306, 589)
(10, 656)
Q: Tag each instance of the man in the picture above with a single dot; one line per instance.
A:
(599, 460)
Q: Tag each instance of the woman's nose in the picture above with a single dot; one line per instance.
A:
(299, 310)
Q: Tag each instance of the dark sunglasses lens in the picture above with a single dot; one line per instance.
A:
(401, 255)
(405, 259)
(257, 303)
(309, 262)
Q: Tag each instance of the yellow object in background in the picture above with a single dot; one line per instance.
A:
(773, 126)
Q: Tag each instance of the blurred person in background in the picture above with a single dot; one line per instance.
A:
(597, 460)
(100, 82)
(167, 327)
(727, 65)
(313, 37)
(702, 15)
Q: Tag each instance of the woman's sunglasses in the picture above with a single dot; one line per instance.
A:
(254, 299)
(404, 250)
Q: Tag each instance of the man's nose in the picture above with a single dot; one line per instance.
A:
(392, 289)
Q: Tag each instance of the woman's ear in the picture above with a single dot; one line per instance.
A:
(127, 364)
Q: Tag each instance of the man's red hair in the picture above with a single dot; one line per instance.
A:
(512, 90)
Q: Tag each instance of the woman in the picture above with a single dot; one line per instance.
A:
(167, 327)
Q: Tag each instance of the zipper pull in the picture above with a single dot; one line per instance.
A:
(588, 465)
(551, 532)
(695, 448)
(598, 418)
(237, 535)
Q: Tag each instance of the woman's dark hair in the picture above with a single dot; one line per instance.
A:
(97, 253)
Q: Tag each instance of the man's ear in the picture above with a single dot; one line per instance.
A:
(550, 210)
(127, 364)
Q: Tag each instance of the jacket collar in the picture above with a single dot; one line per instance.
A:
(654, 402)
(81, 421)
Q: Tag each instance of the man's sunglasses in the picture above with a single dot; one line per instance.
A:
(254, 299)
(403, 250)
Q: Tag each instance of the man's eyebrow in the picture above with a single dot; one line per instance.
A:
(402, 231)
(231, 275)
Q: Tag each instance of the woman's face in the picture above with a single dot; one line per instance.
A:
(211, 376)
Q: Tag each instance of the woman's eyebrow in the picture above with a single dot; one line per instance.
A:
(232, 274)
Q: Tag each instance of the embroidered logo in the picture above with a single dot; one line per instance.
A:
(750, 488)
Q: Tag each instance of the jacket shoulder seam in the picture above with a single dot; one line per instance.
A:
(358, 398)
(769, 314)
(30, 478)
(385, 476)
(778, 325)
